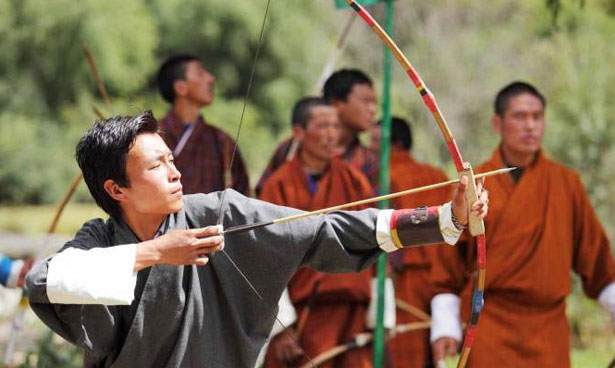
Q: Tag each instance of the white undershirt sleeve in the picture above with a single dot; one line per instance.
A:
(390, 318)
(95, 276)
(287, 315)
(445, 320)
(607, 300)
(383, 231)
(449, 231)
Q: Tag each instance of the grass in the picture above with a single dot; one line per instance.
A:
(592, 358)
(36, 219)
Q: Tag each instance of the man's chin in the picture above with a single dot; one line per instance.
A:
(176, 206)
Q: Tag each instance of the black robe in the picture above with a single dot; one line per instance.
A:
(189, 316)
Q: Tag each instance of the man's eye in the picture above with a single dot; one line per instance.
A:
(154, 167)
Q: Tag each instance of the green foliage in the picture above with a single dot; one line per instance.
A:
(42, 61)
(464, 50)
(51, 352)
(31, 160)
(582, 133)
(225, 35)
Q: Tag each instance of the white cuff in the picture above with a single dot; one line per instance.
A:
(16, 266)
(449, 231)
(445, 321)
(383, 231)
(607, 299)
(96, 276)
(389, 304)
(287, 315)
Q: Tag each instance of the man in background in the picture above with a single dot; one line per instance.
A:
(13, 271)
(202, 152)
(351, 93)
(541, 225)
(331, 308)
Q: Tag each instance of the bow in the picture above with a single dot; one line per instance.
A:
(476, 226)
(248, 227)
(17, 321)
(360, 340)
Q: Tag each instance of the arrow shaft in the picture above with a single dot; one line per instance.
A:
(242, 228)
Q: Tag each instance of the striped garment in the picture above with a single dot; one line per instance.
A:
(205, 158)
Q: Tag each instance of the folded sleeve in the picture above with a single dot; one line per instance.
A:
(93, 327)
(340, 241)
(592, 258)
(95, 276)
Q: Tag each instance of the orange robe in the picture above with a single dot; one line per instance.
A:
(412, 266)
(355, 154)
(340, 306)
(537, 231)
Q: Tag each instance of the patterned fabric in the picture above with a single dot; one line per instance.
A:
(205, 159)
(412, 227)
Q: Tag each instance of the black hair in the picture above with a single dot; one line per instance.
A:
(101, 154)
(401, 132)
(339, 85)
(512, 90)
(302, 111)
(172, 69)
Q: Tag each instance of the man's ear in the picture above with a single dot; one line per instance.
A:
(298, 133)
(180, 87)
(336, 103)
(114, 190)
(496, 123)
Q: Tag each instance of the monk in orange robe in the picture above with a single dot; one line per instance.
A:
(352, 94)
(412, 267)
(540, 226)
(315, 179)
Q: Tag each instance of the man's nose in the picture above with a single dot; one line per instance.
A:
(531, 123)
(372, 107)
(211, 77)
(174, 174)
(332, 134)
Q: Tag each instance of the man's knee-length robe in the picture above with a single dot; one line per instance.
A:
(411, 266)
(189, 316)
(538, 230)
(339, 307)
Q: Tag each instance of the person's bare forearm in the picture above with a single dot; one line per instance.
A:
(147, 255)
(179, 247)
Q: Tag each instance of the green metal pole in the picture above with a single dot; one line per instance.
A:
(385, 154)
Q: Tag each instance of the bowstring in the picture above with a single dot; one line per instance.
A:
(245, 103)
(232, 160)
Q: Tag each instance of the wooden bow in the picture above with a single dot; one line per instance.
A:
(476, 225)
